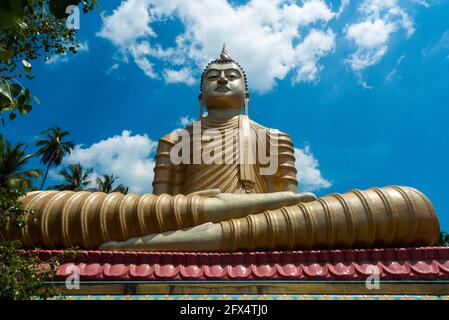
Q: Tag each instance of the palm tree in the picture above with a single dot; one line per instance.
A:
(12, 162)
(443, 239)
(53, 149)
(106, 183)
(76, 178)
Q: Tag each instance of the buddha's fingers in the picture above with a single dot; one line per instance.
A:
(227, 206)
(306, 197)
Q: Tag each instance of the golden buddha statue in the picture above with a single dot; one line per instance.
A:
(226, 183)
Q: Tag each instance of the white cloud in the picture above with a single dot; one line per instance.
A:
(127, 23)
(128, 157)
(184, 75)
(309, 175)
(316, 45)
(442, 45)
(185, 121)
(424, 3)
(371, 34)
(394, 73)
(344, 4)
(112, 69)
(269, 38)
(371, 41)
(63, 58)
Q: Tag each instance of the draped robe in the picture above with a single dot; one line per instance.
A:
(236, 172)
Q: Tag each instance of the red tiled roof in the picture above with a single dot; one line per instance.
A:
(430, 263)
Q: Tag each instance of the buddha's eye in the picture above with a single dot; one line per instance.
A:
(232, 75)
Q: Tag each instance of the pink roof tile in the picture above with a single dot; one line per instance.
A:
(430, 263)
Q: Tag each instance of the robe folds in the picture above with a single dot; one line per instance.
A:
(239, 168)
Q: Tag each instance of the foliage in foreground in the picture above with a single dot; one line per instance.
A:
(31, 29)
(20, 274)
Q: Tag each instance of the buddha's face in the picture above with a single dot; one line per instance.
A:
(223, 86)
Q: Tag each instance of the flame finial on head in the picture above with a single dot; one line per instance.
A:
(224, 55)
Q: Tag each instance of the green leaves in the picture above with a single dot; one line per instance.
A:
(21, 278)
(17, 6)
(11, 12)
(30, 29)
(13, 160)
(15, 90)
(13, 97)
(106, 185)
(7, 90)
(5, 54)
(9, 94)
(52, 148)
(6, 20)
(58, 7)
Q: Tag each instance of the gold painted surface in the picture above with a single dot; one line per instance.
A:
(85, 219)
(269, 216)
(378, 217)
(225, 173)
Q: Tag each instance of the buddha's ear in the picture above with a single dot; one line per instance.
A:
(200, 97)
(247, 97)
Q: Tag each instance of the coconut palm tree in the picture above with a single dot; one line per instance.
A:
(53, 149)
(76, 177)
(12, 162)
(106, 184)
(443, 239)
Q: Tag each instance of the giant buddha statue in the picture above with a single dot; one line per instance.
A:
(222, 184)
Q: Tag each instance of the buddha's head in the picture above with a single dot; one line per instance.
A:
(223, 84)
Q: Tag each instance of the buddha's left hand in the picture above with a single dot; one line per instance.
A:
(217, 207)
(224, 206)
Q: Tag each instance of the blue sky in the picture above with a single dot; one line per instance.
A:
(362, 87)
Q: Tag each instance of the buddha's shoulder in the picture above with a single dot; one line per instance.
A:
(170, 138)
(173, 137)
(274, 133)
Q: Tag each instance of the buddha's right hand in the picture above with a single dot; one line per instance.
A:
(224, 206)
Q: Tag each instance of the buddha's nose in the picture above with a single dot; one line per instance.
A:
(222, 79)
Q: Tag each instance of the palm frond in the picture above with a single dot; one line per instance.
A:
(13, 160)
(53, 149)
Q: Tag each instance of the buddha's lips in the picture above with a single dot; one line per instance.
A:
(222, 89)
